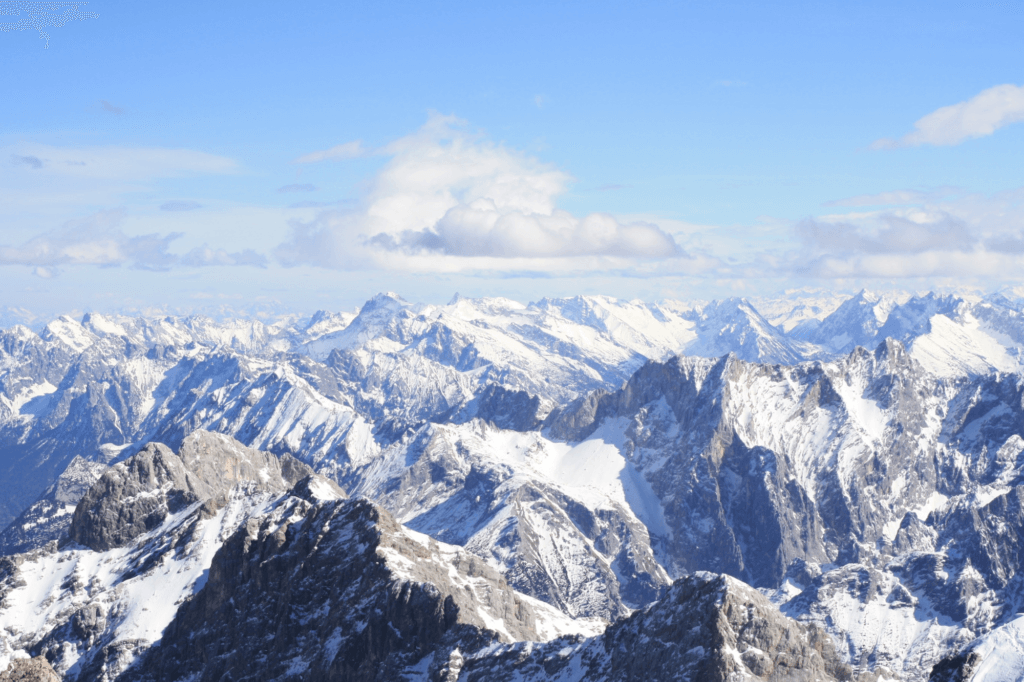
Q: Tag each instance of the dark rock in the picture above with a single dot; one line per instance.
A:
(335, 590)
(958, 668)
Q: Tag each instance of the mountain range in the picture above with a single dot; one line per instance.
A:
(578, 488)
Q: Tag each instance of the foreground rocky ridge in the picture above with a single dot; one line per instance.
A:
(328, 589)
(139, 544)
(244, 580)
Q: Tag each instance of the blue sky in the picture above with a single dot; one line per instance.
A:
(269, 157)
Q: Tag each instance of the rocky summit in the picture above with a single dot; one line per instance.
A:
(574, 489)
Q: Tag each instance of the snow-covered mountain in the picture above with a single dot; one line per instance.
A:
(221, 561)
(858, 462)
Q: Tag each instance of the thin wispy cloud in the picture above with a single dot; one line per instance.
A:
(120, 163)
(205, 257)
(27, 160)
(111, 108)
(450, 195)
(288, 189)
(348, 150)
(315, 204)
(896, 198)
(980, 116)
(179, 205)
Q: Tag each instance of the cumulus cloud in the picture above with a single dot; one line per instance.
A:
(447, 193)
(979, 116)
(482, 230)
(179, 205)
(349, 150)
(99, 241)
(297, 188)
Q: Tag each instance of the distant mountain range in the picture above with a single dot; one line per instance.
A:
(586, 474)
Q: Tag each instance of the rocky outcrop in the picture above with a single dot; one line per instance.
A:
(135, 496)
(958, 668)
(29, 670)
(504, 408)
(141, 541)
(335, 590)
(708, 628)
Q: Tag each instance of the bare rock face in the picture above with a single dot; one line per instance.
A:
(136, 495)
(166, 514)
(718, 628)
(335, 590)
(958, 668)
(709, 628)
(29, 670)
(221, 462)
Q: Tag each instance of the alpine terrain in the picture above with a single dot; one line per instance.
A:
(809, 488)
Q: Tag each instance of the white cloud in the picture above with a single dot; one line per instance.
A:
(99, 241)
(931, 235)
(450, 200)
(891, 234)
(348, 150)
(979, 116)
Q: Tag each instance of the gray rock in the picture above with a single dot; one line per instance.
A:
(136, 495)
(708, 628)
(29, 670)
(333, 590)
